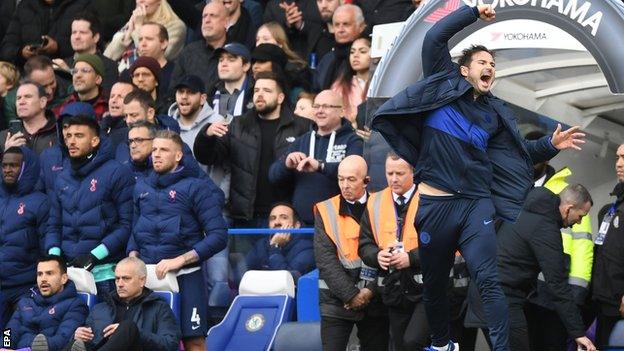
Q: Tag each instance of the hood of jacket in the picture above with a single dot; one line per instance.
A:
(68, 292)
(544, 202)
(29, 175)
(205, 113)
(166, 123)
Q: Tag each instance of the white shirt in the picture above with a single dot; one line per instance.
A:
(407, 195)
(361, 200)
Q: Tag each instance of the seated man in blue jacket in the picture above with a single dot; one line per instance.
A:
(130, 319)
(178, 225)
(91, 204)
(47, 318)
(472, 166)
(283, 251)
(25, 215)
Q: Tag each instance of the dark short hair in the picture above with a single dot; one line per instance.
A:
(40, 89)
(144, 124)
(466, 56)
(82, 120)
(143, 97)
(14, 150)
(577, 195)
(94, 23)
(272, 76)
(163, 33)
(289, 205)
(170, 135)
(37, 63)
(61, 262)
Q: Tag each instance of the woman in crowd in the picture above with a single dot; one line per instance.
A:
(9, 77)
(352, 81)
(125, 41)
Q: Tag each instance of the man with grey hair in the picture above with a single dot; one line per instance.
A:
(132, 318)
(534, 244)
(348, 24)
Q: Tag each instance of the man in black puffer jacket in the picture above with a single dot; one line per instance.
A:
(534, 244)
(132, 318)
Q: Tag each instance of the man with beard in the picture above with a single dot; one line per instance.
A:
(87, 77)
(320, 37)
(239, 26)
(178, 225)
(472, 164)
(25, 219)
(249, 144)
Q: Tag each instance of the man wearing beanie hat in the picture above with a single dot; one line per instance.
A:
(87, 80)
(145, 74)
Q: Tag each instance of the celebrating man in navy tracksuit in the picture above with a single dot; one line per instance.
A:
(177, 226)
(471, 163)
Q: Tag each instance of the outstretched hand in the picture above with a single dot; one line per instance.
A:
(568, 139)
(486, 12)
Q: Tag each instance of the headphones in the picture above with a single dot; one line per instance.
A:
(366, 180)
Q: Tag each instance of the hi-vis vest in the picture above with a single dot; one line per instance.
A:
(383, 219)
(344, 231)
(578, 242)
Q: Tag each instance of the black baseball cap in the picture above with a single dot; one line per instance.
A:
(192, 82)
(234, 49)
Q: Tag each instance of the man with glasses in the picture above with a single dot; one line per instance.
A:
(140, 137)
(312, 160)
(87, 77)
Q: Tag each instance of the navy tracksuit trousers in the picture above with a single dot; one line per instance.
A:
(448, 223)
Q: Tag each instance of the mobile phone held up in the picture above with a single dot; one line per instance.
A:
(15, 126)
(39, 44)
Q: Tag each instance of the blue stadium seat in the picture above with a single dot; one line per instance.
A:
(298, 336)
(616, 339)
(308, 298)
(85, 284)
(166, 288)
(264, 303)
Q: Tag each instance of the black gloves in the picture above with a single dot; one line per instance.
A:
(86, 261)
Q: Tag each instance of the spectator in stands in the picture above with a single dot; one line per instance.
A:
(85, 38)
(385, 11)
(532, 245)
(87, 78)
(140, 139)
(40, 70)
(283, 251)
(40, 28)
(139, 106)
(311, 161)
(352, 80)
(145, 73)
(303, 108)
(319, 35)
(233, 92)
(198, 57)
(91, 204)
(114, 14)
(56, 158)
(113, 123)
(348, 24)
(46, 319)
(269, 128)
(25, 215)
(608, 272)
(297, 68)
(345, 298)
(147, 321)
(240, 27)
(9, 78)
(125, 42)
(191, 108)
(38, 129)
(195, 205)
(291, 17)
(153, 42)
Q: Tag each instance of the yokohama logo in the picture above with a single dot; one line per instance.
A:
(441, 12)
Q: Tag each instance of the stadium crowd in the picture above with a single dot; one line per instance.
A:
(136, 133)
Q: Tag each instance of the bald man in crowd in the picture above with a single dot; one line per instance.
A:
(311, 162)
(347, 288)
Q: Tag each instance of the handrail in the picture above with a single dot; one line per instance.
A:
(265, 231)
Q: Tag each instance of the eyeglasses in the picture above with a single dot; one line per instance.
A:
(83, 70)
(138, 140)
(325, 107)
